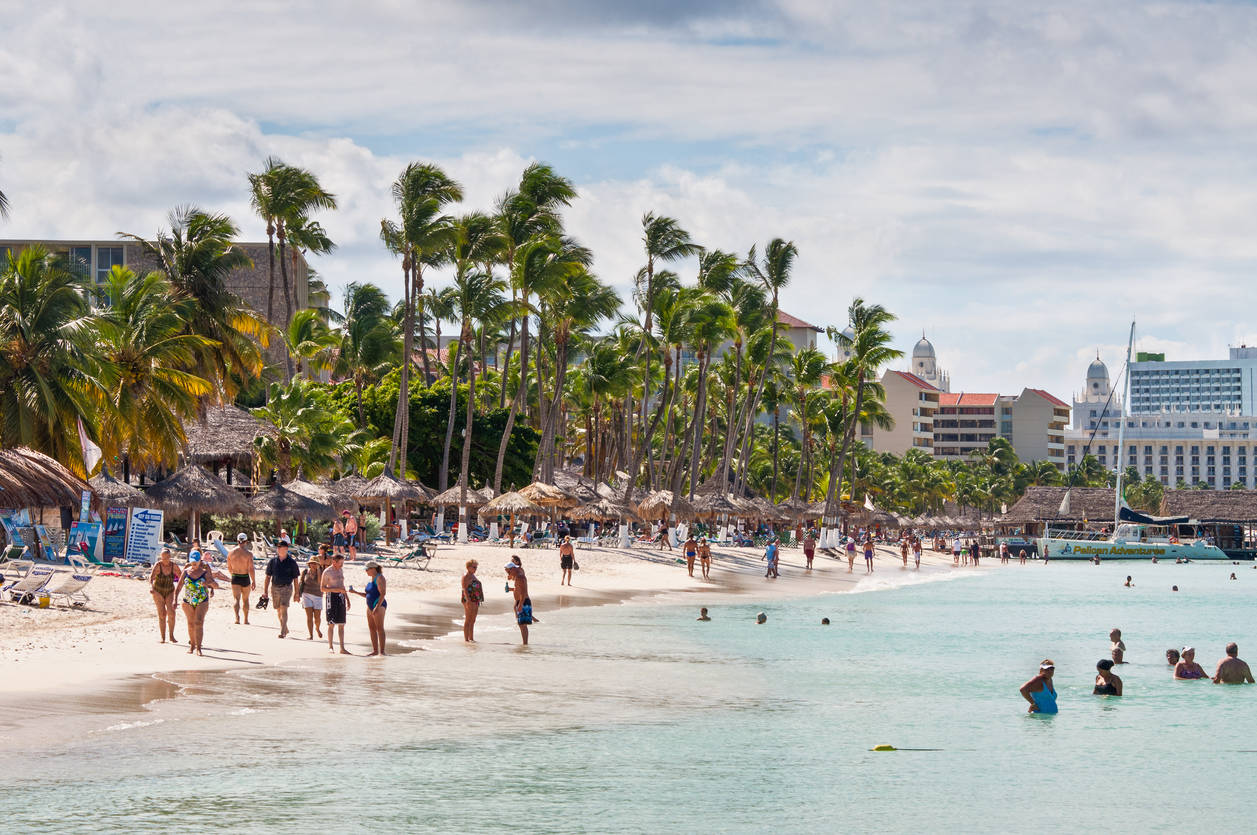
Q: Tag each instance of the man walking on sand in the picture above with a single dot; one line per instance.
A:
(243, 581)
(281, 572)
(523, 605)
(1231, 670)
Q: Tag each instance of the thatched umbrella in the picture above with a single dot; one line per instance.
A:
(715, 504)
(387, 489)
(114, 493)
(453, 496)
(225, 435)
(512, 502)
(548, 495)
(283, 502)
(350, 486)
(32, 479)
(193, 491)
(324, 493)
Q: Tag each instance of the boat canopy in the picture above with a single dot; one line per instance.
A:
(1127, 514)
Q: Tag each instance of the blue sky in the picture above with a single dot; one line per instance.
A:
(1015, 179)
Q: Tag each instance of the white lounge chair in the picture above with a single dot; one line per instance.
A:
(34, 580)
(71, 586)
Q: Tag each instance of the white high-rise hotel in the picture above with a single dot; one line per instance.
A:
(1194, 421)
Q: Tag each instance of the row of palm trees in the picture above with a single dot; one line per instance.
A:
(690, 386)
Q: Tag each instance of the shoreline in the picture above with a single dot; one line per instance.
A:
(106, 659)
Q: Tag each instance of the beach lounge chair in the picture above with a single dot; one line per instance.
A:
(418, 558)
(12, 553)
(70, 588)
(34, 580)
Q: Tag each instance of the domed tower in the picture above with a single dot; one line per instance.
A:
(1089, 405)
(925, 365)
(841, 354)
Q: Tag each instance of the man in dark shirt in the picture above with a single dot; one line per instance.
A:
(281, 572)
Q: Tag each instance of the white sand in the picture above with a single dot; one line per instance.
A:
(65, 650)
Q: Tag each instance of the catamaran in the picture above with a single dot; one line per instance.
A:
(1135, 535)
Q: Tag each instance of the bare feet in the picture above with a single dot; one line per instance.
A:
(238, 621)
(345, 652)
(198, 652)
(190, 650)
(369, 654)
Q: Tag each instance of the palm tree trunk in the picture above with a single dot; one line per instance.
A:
(506, 361)
(521, 394)
(463, 477)
(403, 378)
(444, 476)
(283, 272)
(699, 414)
(735, 419)
(776, 446)
(270, 257)
(422, 316)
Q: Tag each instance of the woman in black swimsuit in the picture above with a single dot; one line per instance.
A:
(1107, 684)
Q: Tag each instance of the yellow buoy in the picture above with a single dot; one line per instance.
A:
(883, 748)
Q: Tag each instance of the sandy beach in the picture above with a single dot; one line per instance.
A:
(65, 652)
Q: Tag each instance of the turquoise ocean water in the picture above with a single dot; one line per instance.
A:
(636, 718)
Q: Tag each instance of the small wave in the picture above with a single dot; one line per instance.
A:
(126, 726)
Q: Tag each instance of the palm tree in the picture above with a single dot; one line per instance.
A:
(807, 367)
(309, 434)
(773, 274)
(711, 322)
(144, 353)
(308, 237)
(283, 196)
(868, 349)
(422, 239)
(368, 341)
(311, 341)
(664, 241)
(196, 256)
(48, 373)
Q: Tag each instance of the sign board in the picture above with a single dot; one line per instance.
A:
(144, 535)
(115, 533)
(85, 539)
(87, 501)
(45, 544)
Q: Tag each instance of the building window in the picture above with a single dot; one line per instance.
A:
(107, 257)
(81, 260)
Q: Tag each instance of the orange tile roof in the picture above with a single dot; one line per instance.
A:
(948, 398)
(1056, 401)
(794, 321)
(914, 379)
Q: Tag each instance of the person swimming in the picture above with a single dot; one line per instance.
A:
(761, 618)
(1106, 683)
(1171, 656)
(1187, 668)
(702, 614)
(1039, 692)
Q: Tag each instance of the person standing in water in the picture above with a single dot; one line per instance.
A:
(1106, 683)
(377, 606)
(1039, 691)
(162, 581)
(243, 581)
(473, 596)
(1187, 669)
(196, 584)
(770, 554)
(1118, 646)
(702, 614)
(1231, 670)
(523, 605)
(809, 548)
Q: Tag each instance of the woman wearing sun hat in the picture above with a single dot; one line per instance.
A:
(1039, 691)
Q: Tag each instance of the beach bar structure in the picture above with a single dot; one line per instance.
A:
(224, 442)
(1227, 517)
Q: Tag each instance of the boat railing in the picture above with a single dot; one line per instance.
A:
(1071, 533)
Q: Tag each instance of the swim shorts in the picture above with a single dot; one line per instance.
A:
(565, 562)
(241, 580)
(525, 613)
(338, 540)
(281, 595)
(336, 608)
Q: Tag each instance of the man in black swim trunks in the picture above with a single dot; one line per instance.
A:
(523, 606)
(240, 564)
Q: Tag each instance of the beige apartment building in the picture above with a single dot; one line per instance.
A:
(913, 403)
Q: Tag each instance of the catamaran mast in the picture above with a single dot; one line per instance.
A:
(1121, 431)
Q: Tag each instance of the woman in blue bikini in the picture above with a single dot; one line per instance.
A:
(377, 606)
(1039, 691)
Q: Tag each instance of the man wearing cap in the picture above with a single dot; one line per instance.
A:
(281, 572)
(243, 581)
(523, 605)
(1231, 670)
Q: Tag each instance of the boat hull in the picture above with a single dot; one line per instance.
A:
(1082, 549)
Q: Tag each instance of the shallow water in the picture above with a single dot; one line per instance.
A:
(637, 718)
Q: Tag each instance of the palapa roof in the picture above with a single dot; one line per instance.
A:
(227, 432)
(280, 502)
(603, 509)
(1042, 504)
(655, 504)
(195, 489)
(452, 496)
(114, 493)
(576, 485)
(798, 509)
(348, 486)
(715, 504)
(388, 486)
(32, 479)
(512, 502)
(1211, 505)
(548, 494)
(322, 492)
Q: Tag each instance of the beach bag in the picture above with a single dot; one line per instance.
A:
(575, 564)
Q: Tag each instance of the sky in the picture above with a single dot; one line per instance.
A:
(1016, 180)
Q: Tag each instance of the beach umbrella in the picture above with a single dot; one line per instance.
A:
(388, 489)
(452, 497)
(512, 502)
(193, 491)
(655, 505)
(715, 504)
(114, 493)
(349, 486)
(548, 495)
(322, 492)
(282, 502)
